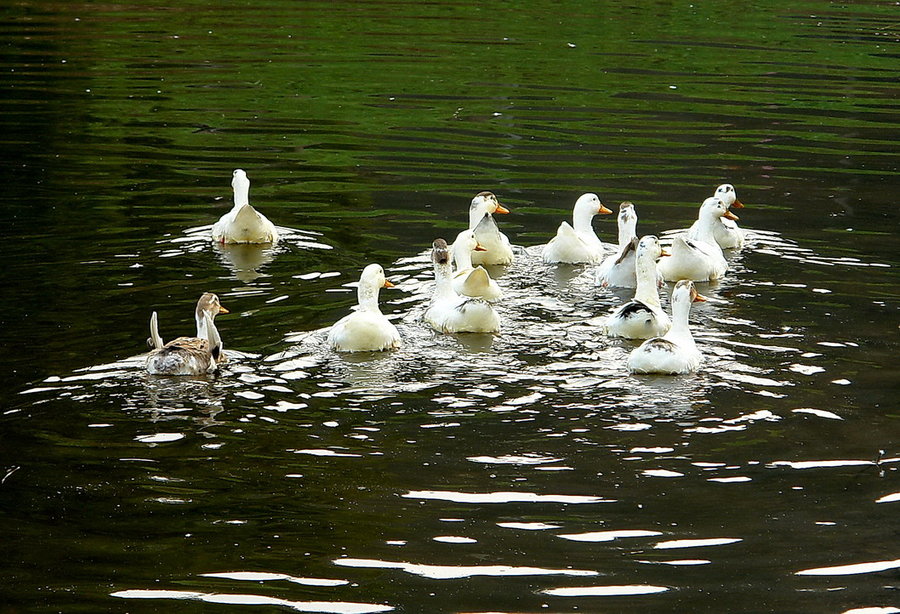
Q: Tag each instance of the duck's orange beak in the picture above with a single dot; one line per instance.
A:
(480, 248)
(737, 204)
(663, 252)
(699, 298)
(501, 209)
(388, 284)
(731, 216)
(603, 210)
(223, 310)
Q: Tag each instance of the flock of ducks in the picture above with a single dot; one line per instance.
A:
(464, 291)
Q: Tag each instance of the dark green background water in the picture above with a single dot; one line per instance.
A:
(374, 124)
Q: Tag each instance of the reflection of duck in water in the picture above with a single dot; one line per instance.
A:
(726, 233)
(451, 313)
(699, 259)
(578, 243)
(245, 259)
(487, 233)
(189, 355)
(675, 353)
(642, 317)
(243, 224)
(366, 329)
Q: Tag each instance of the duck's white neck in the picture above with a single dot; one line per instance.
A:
(206, 328)
(241, 193)
(462, 255)
(443, 278)
(681, 310)
(475, 216)
(647, 290)
(581, 221)
(367, 297)
(627, 231)
(706, 227)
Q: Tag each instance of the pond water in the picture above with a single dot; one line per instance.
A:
(522, 472)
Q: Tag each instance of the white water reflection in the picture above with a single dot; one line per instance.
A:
(848, 570)
(256, 576)
(451, 572)
(605, 591)
(503, 497)
(696, 543)
(324, 607)
(607, 536)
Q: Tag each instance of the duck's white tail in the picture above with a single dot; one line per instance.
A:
(155, 340)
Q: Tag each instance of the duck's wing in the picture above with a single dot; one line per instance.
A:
(629, 248)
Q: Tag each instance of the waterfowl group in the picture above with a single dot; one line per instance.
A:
(464, 290)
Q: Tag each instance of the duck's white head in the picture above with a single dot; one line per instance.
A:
(649, 247)
(373, 277)
(685, 292)
(463, 246)
(727, 195)
(241, 186)
(589, 204)
(484, 202)
(714, 208)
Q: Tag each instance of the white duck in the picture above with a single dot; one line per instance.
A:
(189, 355)
(366, 329)
(578, 243)
(642, 317)
(243, 224)
(481, 221)
(727, 233)
(675, 353)
(699, 259)
(451, 313)
(619, 269)
(471, 280)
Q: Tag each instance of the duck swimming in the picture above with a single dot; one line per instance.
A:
(578, 243)
(619, 269)
(675, 353)
(642, 317)
(699, 259)
(243, 224)
(366, 329)
(189, 355)
(481, 221)
(451, 313)
(469, 280)
(727, 233)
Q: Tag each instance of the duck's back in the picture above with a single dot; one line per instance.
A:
(181, 356)
(663, 356)
(246, 225)
(363, 331)
(463, 316)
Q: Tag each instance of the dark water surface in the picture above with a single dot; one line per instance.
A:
(522, 473)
